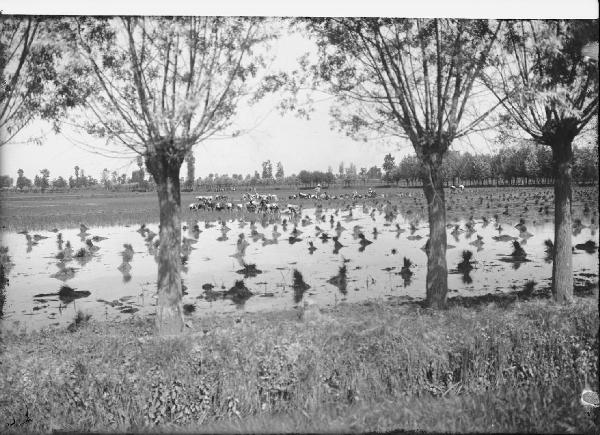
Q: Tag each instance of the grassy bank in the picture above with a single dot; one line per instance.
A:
(361, 367)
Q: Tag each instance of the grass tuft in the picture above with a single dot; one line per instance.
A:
(376, 367)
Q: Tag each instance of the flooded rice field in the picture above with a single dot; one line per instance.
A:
(342, 255)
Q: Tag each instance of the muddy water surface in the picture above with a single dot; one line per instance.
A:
(117, 290)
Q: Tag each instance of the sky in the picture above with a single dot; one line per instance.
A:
(297, 143)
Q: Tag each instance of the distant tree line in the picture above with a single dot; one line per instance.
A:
(526, 164)
(109, 181)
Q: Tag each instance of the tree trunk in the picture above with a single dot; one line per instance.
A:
(437, 269)
(169, 312)
(562, 266)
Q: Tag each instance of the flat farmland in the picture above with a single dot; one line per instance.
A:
(348, 250)
(49, 211)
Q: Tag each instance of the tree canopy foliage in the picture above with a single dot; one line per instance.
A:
(31, 80)
(542, 79)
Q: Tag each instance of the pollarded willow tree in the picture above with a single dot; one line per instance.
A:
(161, 86)
(413, 79)
(550, 91)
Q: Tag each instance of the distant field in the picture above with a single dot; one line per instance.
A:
(47, 211)
(44, 211)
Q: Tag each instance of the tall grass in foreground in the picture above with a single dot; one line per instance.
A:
(364, 367)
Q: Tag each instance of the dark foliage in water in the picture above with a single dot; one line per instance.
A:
(249, 270)
(466, 265)
(82, 253)
(239, 293)
(405, 272)
(127, 254)
(209, 294)
(529, 287)
(80, 320)
(66, 294)
(518, 252)
(189, 308)
(299, 286)
(589, 246)
(336, 245)
(293, 239)
(466, 278)
(324, 237)
(363, 240)
(340, 280)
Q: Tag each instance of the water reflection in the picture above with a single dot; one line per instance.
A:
(219, 256)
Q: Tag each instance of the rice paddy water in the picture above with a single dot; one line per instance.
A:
(121, 280)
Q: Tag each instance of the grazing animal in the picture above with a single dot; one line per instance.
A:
(293, 209)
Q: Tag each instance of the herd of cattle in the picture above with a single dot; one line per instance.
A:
(269, 203)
